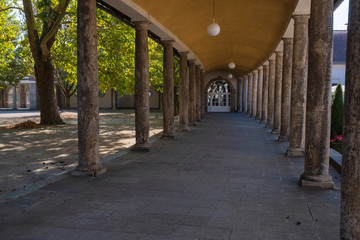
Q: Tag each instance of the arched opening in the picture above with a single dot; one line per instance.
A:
(219, 96)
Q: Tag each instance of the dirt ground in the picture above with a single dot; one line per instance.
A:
(28, 156)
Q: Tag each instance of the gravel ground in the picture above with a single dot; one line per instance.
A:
(30, 156)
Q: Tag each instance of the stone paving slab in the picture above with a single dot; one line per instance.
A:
(226, 179)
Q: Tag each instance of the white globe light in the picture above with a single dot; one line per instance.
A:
(230, 75)
(232, 65)
(213, 29)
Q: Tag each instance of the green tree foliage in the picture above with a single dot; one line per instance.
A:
(52, 37)
(337, 112)
(116, 47)
(43, 20)
(15, 63)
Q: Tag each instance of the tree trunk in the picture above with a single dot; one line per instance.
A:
(44, 72)
(67, 102)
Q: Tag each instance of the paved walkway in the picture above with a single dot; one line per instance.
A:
(226, 179)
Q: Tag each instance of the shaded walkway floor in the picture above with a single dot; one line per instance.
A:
(226, 179)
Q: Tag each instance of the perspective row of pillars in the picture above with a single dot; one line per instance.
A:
(294, 100)
(277, 95)
(192, 99)
(305, 98)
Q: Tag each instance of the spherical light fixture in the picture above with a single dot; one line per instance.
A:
(231, 65)
(230, 75)
(213, 29)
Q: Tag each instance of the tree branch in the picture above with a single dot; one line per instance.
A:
(8, 8)
(31, 25)
(59, 13)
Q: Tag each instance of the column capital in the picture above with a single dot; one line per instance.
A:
(139, 24)
(255, 71)
(261, 68)
(183, 55)
(301, 18)
(265, 63)
(288, 41)
(279, 53)
(167, 41)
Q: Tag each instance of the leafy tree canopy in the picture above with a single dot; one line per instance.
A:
(15, 57)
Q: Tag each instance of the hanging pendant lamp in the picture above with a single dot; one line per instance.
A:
(230, 75)
(231, 64)
(213, 29)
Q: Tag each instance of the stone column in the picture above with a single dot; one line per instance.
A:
(271, 94)
(350, 173)
(203, 95)
(33, 96)
(238, 95)
(298, 86)
(249, 90)
(254, 93)
(168, 96)
(142, 106)
(277, 101)
(259, 93)
(265, 92)
(87, 91)
(22, 96)
(183, 94)
(2, 98)
(14, 105)
(192, 89)
(243, 102)
(198, 94)
(286, 90)
(318, 108)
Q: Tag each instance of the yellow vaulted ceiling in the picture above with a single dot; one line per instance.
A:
(254, 26)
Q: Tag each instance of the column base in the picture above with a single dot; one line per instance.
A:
(141, 147)
(283, 138)
(198, 120)
(295, 152)
(268, 126)
(192, 124)
(92, 171)
(275, 131)
(319, 181)
(167, 136)
(183, 129)
(262, 121)
(258, 118)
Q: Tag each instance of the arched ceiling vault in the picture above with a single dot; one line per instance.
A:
(255, 27)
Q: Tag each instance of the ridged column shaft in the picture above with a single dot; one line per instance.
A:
(254, 93)
(298, 86)
(350, 172)
(259, 93)
(277, 97)
(168, 97)
(265, 89)
(286, 90)
(271, 94)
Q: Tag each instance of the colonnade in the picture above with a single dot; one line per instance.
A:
(284, 93)
(298, 105)
(281, 86)
(192, 99)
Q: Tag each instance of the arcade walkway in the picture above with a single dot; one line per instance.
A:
(226, 179)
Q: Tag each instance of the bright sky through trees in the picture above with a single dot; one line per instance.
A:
(341, 16)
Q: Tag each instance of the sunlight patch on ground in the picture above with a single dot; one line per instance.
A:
(28, 156)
